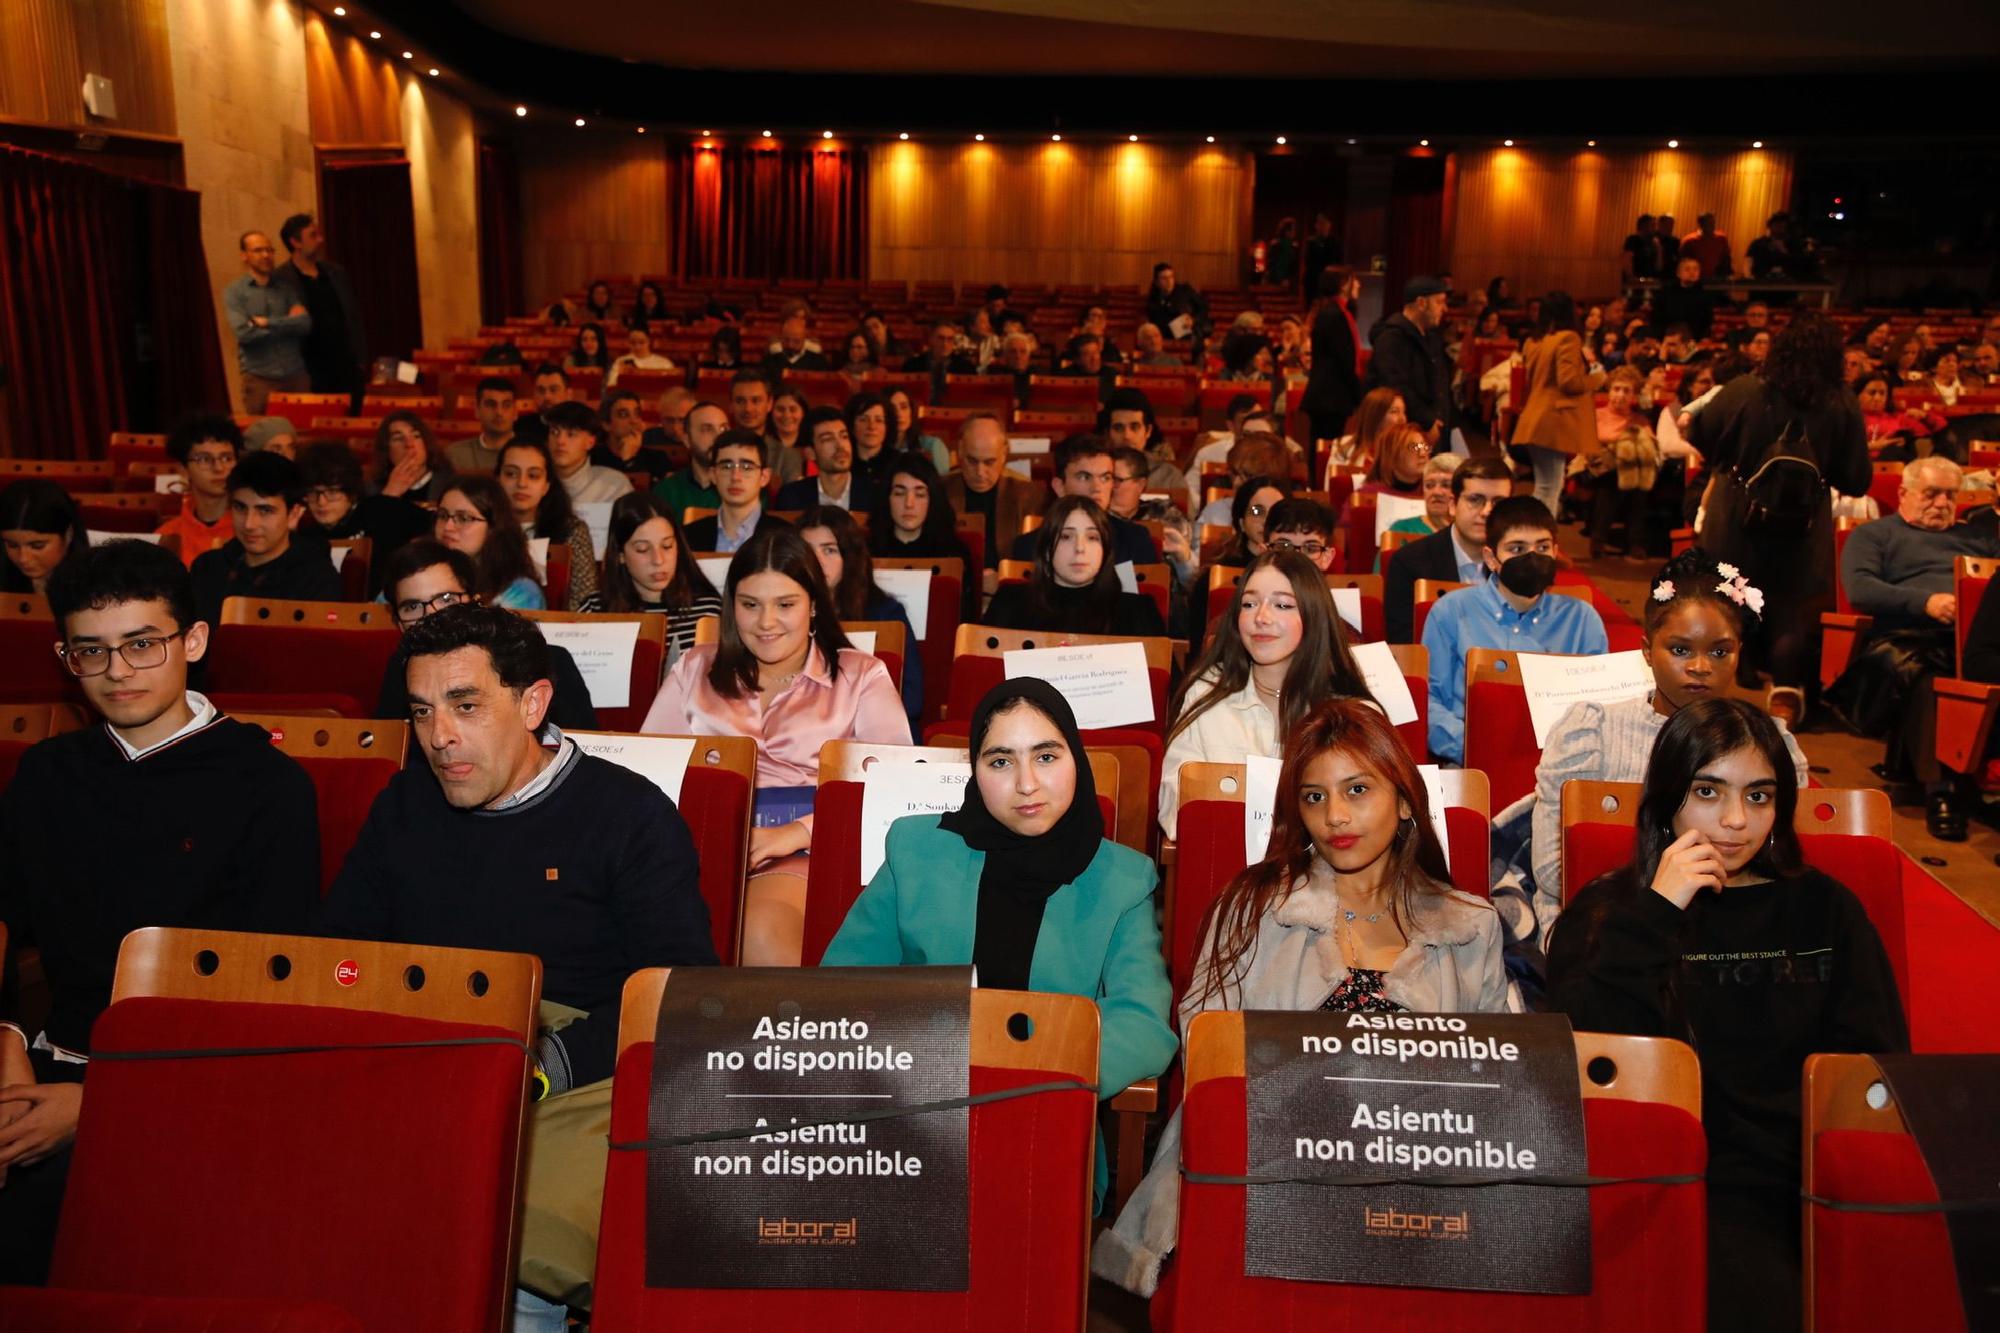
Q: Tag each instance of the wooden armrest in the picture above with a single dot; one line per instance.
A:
(1170, 851)
(1142, 1098)
(1965, 713)
(1840, 634)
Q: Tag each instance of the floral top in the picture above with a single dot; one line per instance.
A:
(1361, 991)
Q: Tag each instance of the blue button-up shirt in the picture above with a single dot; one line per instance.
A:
(274, 350)
(728, 539)
(1479, 617)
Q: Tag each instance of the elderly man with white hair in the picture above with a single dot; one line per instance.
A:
(1898, 570)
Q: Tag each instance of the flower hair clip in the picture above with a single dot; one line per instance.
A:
(1663, 591)
(1738, 590)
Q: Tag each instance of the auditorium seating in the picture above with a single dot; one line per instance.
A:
(371, 1164)
(936, 643)
(1869, 1270)
(1966, 708)
(349, 763)
(274, 656)
(1029, 1188)
(1499, 733)
(649, 658)
(1648, 1242)
(30, 671)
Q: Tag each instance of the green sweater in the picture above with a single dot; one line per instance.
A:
(1098, 937)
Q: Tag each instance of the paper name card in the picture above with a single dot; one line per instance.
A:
(406, 372)
(1386, 681)
(1029, 444)
(1347, 604)
(597, 517)
(1394, 509)
(1260, 803)
(1554, 682)
(864, 639)
(1106, 683)
(1022, 468)
(893, 789)
(99, 538)
(538, 556)
(1180, 327)
(911, 587)
(715, 568)
(603, 652)
(1433, 776)
(1128, 576)
(661, 760)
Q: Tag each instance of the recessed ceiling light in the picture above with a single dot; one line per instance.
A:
(375, 36)
(1506, 143)
(904, 135)
(1211, 138)
(340, 11)
(520, 111)
(1131, 138)
(1423, 143)
(1351, 141)
(1756, 143)
(434, 71)
(826, 134)
(1591, 143)
(767, 134)
(642, 129)
(409, 55)
(1055, 138)
(1673, 143)
(979, 138)
(1281, 138)
(579, 122)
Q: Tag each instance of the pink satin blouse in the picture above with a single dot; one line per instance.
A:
(861, 704)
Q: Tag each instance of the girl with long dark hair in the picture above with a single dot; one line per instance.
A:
(784, 675)
(649, 568)
(1718, 934)
(1278, 653)
(1074, 587)
(42, 530)
(844, 560)
(542, 507)
(475, 516)
(1351, 909)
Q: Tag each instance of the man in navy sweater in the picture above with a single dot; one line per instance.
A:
(167, 814)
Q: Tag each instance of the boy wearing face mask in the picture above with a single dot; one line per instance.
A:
(1509, 608)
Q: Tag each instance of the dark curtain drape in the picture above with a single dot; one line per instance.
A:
(499, 186)
(1416, 222)
(769, 212)
(371, 229)
(106, 320)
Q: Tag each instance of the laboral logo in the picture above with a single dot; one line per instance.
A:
(1395, 1223)
(785, 1231)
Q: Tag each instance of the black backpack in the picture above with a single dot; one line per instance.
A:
(1786, 494)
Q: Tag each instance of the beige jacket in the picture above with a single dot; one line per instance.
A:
(1452, 964)
(1239, 724)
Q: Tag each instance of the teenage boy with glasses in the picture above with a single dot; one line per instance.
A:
(741, 475)
(207, 447)
(167, 814)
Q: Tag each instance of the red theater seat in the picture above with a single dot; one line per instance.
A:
(379, 1180)
(1648, 1242)
(37, 1310)
(349, 763)
(277, 656)
(941, 625)
(1499, 733)
(1870, 1271)
(30, 672)
(25, 725)
(979, 664)
(1029, 1186)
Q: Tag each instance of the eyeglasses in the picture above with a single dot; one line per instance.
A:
(411, 611)
(213, 458)
(324, 493)
(1125, 481)
(1313, 549)
(458, 518)
(95, 659)
(1258, 511)
(738, 465)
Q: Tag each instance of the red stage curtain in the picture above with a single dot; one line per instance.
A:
(769, 213)
(499, 186)
(371, 228)
(106, 320)
(1416, 222)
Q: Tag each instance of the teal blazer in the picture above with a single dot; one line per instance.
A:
(1098, 937)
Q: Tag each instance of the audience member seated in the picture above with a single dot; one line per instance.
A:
(423, 578)
(1304, 526)
(1892, 433)
(574, 433)
(340, 511)
(639, 356)
(273, 435)
(794, 350)
(518, 841)
(207, 447)
(1074, 588)
(849, 570)
(909, 433)
(169, 814)
(1718, 875)
(1275, 656)
(41, 530)
(860, 359)
(1017, 358)
(750, 401)
(267, 557)
(648, 308)
(408, 459)
(1150, 349)
(785, 430)
(597, 306)
(1126, 421)
(741, 477)
(725, 349)
(1512, 609)
(623, 446)
(1435, 487)
(493, 402)
(649, 567)
(873, 434)
(1455, 555)
(544, 511)
(941, 358)
(838, 483)
(693, 487)
(983, 486)
(1942, 378)
(588, 352)
(476, 517)
(1368, 430)
(1249, 509)
(1697, 617)
(550, 385)
(1022, 883)
(785, 676)
(1351, 910)
(1898, 569)
(1083, 468)
(915, 521)
(1625, 467)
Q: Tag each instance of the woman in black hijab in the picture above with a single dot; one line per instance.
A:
(1021, 882)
